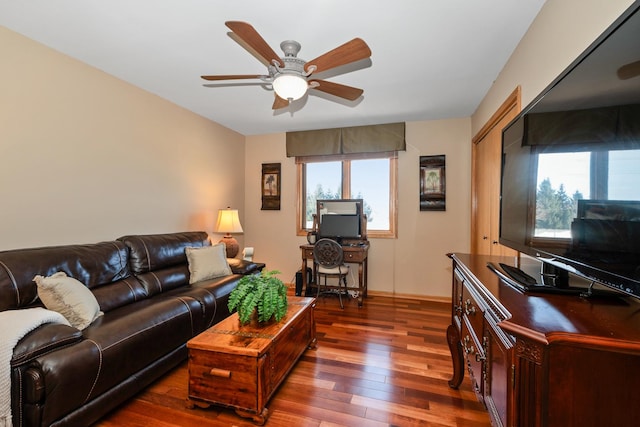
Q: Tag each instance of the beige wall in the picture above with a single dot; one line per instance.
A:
(86, 157)
(560, 33)
(412, 264)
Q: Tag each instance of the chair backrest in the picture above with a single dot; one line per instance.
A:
(328, 253)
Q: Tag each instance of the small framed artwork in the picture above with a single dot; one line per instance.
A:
(270, 186)
(432, 183)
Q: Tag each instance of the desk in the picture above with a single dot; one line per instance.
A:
(352, 255)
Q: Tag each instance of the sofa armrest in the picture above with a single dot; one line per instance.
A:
(240, 266)
(44, 339)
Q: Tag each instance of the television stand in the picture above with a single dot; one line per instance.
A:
(542, 359)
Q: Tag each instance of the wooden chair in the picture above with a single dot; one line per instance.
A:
(328, 257)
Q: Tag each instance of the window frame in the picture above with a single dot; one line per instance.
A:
(346, 159)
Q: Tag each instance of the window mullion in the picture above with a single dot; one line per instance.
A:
(346, 179)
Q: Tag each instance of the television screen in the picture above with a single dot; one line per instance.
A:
(343, 226)
(570, 187)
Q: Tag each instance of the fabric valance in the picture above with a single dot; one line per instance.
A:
(351, 140)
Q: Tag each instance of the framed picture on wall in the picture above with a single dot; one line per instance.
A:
(270, 186)
(432, 183)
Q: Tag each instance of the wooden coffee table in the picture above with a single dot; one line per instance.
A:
(242, 366)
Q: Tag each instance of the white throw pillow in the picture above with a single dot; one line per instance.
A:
(207, 262)
(68, 297)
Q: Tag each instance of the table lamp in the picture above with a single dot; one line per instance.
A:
(229, 222)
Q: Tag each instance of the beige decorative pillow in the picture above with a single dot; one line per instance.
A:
(207, 262)
(68, 297)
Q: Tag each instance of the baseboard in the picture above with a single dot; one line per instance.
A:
(446, 300)
(410, 296)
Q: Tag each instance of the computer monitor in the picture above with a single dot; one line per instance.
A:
(340, 226)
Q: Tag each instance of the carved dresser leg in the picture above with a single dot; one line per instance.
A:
(453, 339)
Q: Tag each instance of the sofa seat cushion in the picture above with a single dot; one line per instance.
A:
(220, 288)
(204, 298)
(134, 336)
(213, 295)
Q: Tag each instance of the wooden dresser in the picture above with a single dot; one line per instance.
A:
(543, 360)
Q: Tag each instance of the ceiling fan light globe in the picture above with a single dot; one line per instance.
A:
(290, 86)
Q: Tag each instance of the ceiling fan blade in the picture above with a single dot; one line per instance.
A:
(629, 70)
(351, 51)
(343, 91)
(279, 103)
(233, 77)
(250, 36)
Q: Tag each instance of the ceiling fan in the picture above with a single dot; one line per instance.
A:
(291, 76)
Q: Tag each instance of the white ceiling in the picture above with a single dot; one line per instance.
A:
(431, 59)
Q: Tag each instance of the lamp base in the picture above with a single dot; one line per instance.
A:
(231, 244)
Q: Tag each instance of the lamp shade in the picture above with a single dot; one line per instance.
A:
(290, 86)
(228, 221)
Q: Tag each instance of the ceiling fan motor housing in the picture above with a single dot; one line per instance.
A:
(290, 47)
(292, 64)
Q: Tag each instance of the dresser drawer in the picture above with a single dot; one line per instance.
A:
(474, 356)
(471, 311)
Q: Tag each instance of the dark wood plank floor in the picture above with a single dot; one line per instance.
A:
(386, 364)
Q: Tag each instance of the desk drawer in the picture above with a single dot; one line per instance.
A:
(356, 256)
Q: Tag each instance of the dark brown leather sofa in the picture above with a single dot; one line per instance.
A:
(63, 376)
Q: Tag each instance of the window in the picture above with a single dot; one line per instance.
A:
(371, 177)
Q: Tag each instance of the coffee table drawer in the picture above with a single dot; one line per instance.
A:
(226, 379)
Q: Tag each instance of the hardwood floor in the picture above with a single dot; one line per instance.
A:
(385, 364)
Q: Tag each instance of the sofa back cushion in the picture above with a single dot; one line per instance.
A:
(102, 267)
(159, 261)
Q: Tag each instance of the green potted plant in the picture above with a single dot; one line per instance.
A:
(262, 294)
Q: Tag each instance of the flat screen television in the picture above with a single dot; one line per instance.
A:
(340, 226)
(570, 179)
